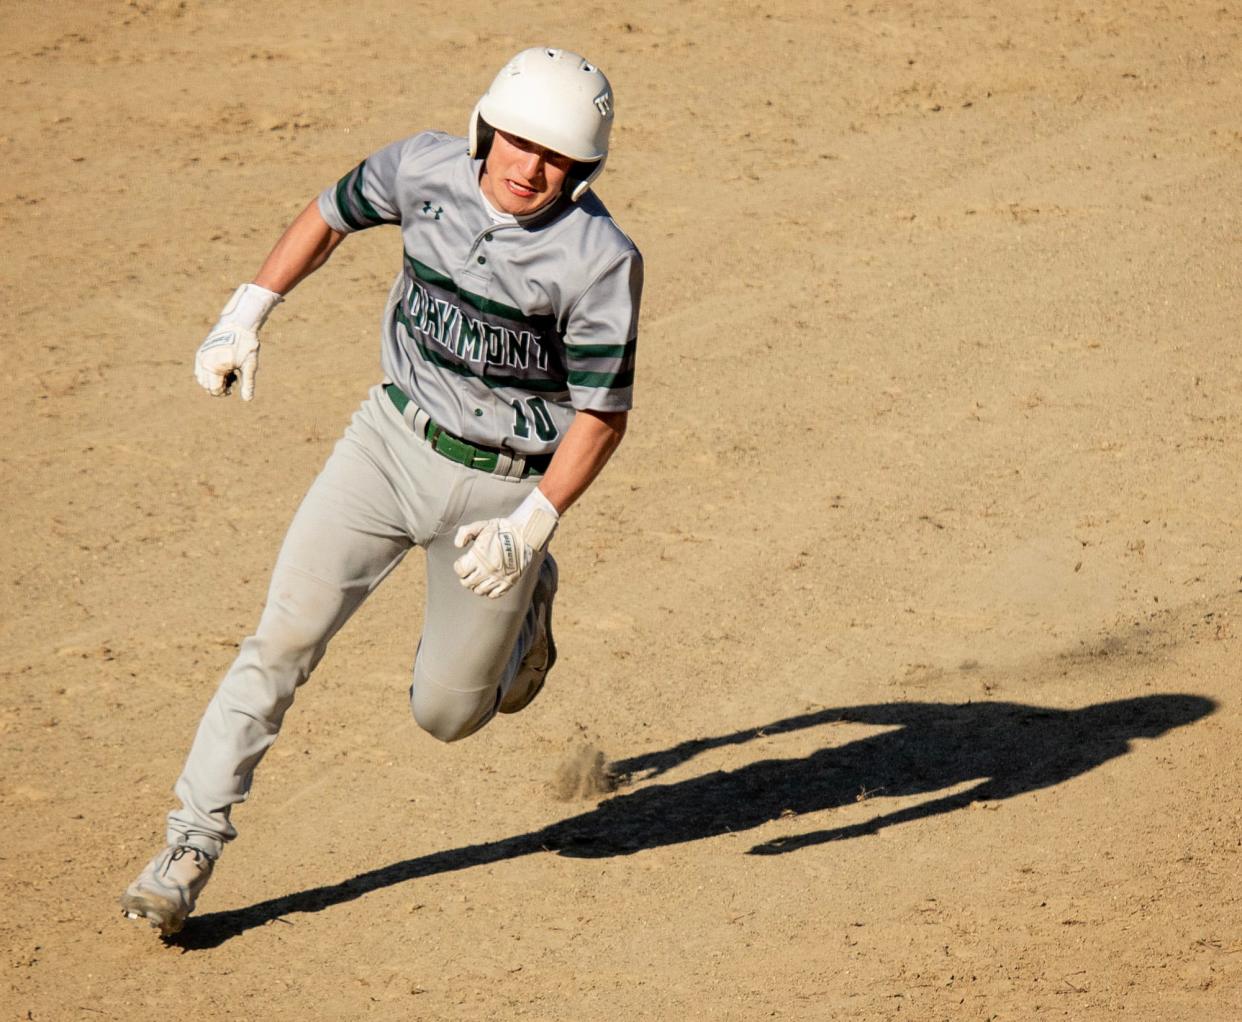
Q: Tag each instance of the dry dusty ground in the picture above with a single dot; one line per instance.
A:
(908, 614)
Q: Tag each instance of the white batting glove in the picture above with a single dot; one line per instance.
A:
(231, 351)
(503, 548)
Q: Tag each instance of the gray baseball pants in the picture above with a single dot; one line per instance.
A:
(382, 491)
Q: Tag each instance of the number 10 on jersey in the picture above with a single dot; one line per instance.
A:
(537, 412)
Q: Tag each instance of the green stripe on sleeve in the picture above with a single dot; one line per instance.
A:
(353, 205)
(597, 350)
(607, 381)
(342, 204)
(370, 211)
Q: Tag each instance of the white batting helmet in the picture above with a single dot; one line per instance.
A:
(556, 99)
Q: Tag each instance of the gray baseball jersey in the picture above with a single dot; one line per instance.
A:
(499, 331)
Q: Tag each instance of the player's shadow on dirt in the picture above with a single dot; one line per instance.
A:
(997, 749)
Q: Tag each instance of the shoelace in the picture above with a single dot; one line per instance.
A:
(183, 850)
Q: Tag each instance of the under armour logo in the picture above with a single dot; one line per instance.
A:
(432, 212)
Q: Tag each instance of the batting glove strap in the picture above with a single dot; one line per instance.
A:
(250, 306)
(537, 518)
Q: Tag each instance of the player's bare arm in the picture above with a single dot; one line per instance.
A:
(589, 443)
(301, 250)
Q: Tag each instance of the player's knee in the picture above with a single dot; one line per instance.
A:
(447, 715)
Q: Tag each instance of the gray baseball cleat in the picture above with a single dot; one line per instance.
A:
(541, 657)
(165, 892)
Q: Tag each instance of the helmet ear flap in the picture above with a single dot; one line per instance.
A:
(481, 135)
(580, 176)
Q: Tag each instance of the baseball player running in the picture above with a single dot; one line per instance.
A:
(508, 347)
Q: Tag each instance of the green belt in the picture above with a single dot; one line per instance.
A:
(484, 459)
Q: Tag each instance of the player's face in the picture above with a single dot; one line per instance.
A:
(520, 177)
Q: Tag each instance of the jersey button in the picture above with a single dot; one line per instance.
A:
(487, 237)
(482, 260)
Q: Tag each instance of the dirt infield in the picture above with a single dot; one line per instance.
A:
(906, 620)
